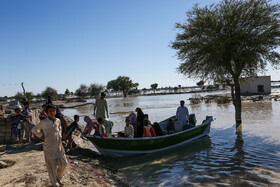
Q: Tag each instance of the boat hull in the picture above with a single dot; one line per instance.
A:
(131, 146)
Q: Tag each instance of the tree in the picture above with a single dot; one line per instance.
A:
(19, 97)
(95, 89)
(122, 84)
(67, 92)
(200, 83)
(50, 92)
(30, 96)
(154, 86)
(229, 40)
(82, 91)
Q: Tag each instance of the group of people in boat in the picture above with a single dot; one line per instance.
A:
(136, 125)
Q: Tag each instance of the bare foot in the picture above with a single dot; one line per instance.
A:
(59, 182)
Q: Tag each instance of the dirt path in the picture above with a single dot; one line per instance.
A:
(30, 170)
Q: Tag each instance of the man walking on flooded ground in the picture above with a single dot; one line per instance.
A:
(182, 113)
(100, 107)
(50, 130)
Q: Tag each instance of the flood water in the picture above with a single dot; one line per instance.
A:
(250, 157)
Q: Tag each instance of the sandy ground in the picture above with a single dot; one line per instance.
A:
(27, 167)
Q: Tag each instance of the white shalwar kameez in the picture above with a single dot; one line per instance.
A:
(182, 114)
(53, 150)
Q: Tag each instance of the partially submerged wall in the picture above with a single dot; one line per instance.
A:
(6, 135)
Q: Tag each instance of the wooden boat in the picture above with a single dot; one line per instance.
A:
(130, 146)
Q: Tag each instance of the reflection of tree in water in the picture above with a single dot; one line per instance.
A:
(238, 146)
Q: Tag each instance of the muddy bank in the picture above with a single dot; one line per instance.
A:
(86, 167)
(26, 167)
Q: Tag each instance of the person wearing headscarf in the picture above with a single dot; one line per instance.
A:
(133, 121)
(91, 124)
(140, 120)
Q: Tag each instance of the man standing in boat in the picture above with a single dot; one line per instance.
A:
(100, 107)
(182, 113)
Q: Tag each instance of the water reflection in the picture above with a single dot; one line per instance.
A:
(238, 147)
(164, 157)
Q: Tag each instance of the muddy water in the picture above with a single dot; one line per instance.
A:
(249, 157)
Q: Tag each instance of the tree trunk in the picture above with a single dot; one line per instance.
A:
(232, 94)
(237, 102)
(124, 94)
(24, 92)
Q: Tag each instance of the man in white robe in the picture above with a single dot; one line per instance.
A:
(182, 113)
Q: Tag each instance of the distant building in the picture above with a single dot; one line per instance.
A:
(255, 85)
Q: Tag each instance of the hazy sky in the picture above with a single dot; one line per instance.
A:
(65, 43)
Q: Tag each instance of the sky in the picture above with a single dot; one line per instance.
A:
(63, 44)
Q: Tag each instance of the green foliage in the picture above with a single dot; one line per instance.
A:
(95, 89)
(50, 92)
(82, 91)
(122, 84)
(67, 92)
(134, 91)
(3, 99)
(30, 96)
(154, 86)
(231, 39)
(224, 41)
(19, 97)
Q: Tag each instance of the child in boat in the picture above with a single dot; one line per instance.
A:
(170, 127)
(157, 129)
(128, 129)
(70, 129)
(15, 125)
(148, 130)
(91, 124)
(50, 130)
(102, 130)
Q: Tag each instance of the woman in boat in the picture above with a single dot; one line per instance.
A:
(91, 124)
(157, 129)
(140, 119)
(133, 121)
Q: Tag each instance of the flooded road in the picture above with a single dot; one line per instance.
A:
(249, 157)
